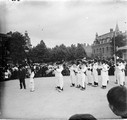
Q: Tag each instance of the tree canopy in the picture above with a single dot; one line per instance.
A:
(17, 47)
(41, 53)
(118, 41)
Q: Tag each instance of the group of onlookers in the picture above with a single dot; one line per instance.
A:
(11, 71)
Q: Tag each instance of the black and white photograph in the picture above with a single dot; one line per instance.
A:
(63, 59)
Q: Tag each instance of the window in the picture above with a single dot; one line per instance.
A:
(103, 50)
(107, 49)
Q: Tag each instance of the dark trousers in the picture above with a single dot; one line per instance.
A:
(22, 83)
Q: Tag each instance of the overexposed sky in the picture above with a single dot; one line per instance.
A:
(65, 21)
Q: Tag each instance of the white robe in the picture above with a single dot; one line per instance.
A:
(59, 76)
(95, 73)
(117, 73)
(76, 75)
(72, 75)
(104, 75)
(89, 74)
(32, 81)
(121, 68)
(83, 76)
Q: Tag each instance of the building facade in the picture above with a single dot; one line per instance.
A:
(101, 47)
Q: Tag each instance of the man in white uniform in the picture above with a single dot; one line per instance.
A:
(58, 72)
(104, 74)
(95, 73)
(83, 76)
(116, 73)
(78, 75)
(32, 74)
(89, 73)
(72, 74)
(121, 68)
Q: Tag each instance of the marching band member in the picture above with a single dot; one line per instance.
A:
(116, 73)
(59, 76)
(107, 72)
(104, 74)
(72, 74)
(95, 73)
(78, 70)
(32, 88)
(89, 73)
(83, 76)
(121, 68)
(56, 75)
(76, 76)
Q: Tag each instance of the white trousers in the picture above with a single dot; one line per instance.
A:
(121, 78)
(79, 78)
(95, 76)
(104, 78)
(32, 86)
(83, 80)
(60, 80)
(89, 76)
(73, 78)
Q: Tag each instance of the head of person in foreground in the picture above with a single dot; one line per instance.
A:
(117, 98)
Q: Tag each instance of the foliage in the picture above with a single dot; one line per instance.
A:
(118, 41)
(41, 53)
(17, 50)
(80, 51)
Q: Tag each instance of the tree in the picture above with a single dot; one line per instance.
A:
(71, 52)
(80, 51)
(118, 41)
(39, 53)
(17, 50)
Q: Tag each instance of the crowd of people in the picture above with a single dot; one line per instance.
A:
(81, 72)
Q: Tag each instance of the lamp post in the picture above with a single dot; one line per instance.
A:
(114, 51)
(26, 52)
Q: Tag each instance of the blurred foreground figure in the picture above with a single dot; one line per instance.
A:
(117, 98)
(82, 117)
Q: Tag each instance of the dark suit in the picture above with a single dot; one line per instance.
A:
(21, 76)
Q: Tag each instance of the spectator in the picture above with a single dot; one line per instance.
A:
(117, 98)
(21, 76)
